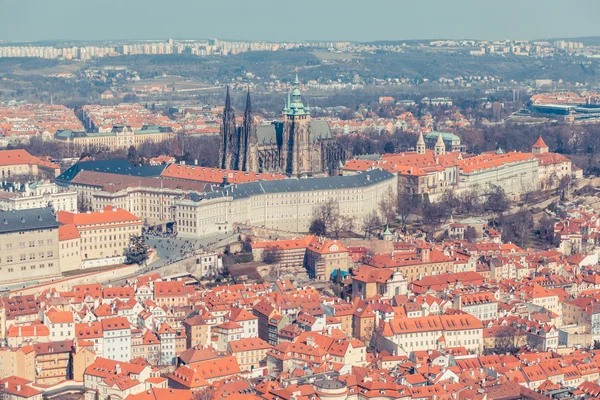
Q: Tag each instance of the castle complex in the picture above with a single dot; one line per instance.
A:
(297, 146)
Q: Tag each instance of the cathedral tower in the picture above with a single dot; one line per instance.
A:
(230, 138)
(248, 140)
(295, 157)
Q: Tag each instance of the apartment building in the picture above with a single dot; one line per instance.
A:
(60, 324)
(29, 246)
(103, 233)
(249, 352)
(286, 204)
(116, 337)
(53, 362)
(18, 361)
(402, 336)
(481, 305)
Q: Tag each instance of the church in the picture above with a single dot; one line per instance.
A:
(297, 146)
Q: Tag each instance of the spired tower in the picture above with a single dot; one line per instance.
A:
(421, 144)
(440, 146)
(295, 157)
(248, 140)
(230, 138)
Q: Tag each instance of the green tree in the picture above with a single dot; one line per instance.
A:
(137, 252)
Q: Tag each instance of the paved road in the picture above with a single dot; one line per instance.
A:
(175, 248)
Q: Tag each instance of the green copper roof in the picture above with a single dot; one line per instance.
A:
(447, 136)
(294, 104)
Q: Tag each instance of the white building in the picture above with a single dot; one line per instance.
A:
(37, 195)
(514, 172)
(482, 305)
(116, 338)
(60, 324)
(247, 320)
(286, 204)
(401, 336)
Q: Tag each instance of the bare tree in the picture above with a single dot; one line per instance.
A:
(388, 206)
(407, 205)
(370, 223)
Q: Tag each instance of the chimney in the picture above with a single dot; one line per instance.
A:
(18, 388)
(118, 368)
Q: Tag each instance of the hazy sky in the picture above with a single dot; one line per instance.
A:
(27, 20)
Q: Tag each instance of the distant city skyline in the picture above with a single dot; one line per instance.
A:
(311, 20)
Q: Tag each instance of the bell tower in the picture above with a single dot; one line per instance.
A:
(295, 156)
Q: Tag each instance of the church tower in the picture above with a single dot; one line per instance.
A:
(539, 147)
(295, 156)
(440, 146)
(229, 149)
(421, 144)
(248, 140)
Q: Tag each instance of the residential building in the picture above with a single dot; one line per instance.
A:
(53, 362)
(116, 338)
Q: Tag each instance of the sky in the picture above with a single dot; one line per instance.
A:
(297, 20)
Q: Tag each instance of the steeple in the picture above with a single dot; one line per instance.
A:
(440, 146)
(248, 104)
(230, 146)
(294, 104)
(248, 140)
(421, 144)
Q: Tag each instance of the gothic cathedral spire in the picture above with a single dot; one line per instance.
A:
(248, 140)
(229, 154)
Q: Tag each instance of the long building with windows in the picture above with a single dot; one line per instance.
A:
(120, 137)
(287, 204)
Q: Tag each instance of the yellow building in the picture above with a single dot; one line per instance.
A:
(120, 137)
(20, 162)
(104, 233)
(249, 352)
(28, 245)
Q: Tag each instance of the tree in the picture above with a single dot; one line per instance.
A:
(317, 227)
(545, 230)
(563, 186)
(497, 202)
(327, 221)
(137, 252)
(470, 234)
(450, 201)
(132, 155)
(271, 256)
(407, 204)
(370, 223)
(389, 147)
(469, 202)
(388, 206)
(508, 340)
(434, 214)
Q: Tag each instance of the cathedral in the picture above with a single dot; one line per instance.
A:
(296, 146)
